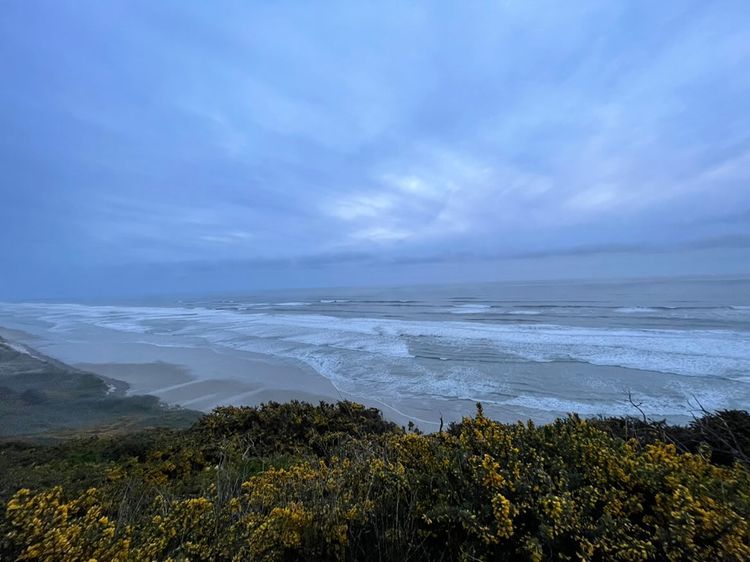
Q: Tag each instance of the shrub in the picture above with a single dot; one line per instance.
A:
(726, 433)
(570, 490)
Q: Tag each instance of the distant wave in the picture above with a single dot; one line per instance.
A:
(469, 308)
(389, 301)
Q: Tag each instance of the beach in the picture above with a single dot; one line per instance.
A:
(422, 354)
(204, 378)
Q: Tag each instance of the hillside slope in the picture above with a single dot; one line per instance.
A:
(44, 398)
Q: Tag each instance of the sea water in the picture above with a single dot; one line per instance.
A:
(525, 350)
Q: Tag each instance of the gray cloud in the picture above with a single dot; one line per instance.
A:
(156, 136)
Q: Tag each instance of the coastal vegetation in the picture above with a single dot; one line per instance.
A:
(337, 482)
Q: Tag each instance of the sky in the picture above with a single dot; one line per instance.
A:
(184, 146)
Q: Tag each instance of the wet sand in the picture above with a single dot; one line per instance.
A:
(245, 382)
(203, 379)
(199, 377)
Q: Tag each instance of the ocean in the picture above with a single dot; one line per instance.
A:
(524, 350)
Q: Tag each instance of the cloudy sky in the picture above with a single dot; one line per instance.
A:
(179, 146)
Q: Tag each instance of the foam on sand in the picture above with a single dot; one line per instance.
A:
(395, 359)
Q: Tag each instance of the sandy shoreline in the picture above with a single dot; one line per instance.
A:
(233, 382)
(252, 382)
(203, 378)
(194, 375)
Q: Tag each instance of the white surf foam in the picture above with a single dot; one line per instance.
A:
(21, 349)
(373, 356)
(656, 405)
(685, 352)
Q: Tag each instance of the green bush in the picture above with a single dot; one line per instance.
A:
(336, 482)
(726, 433)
